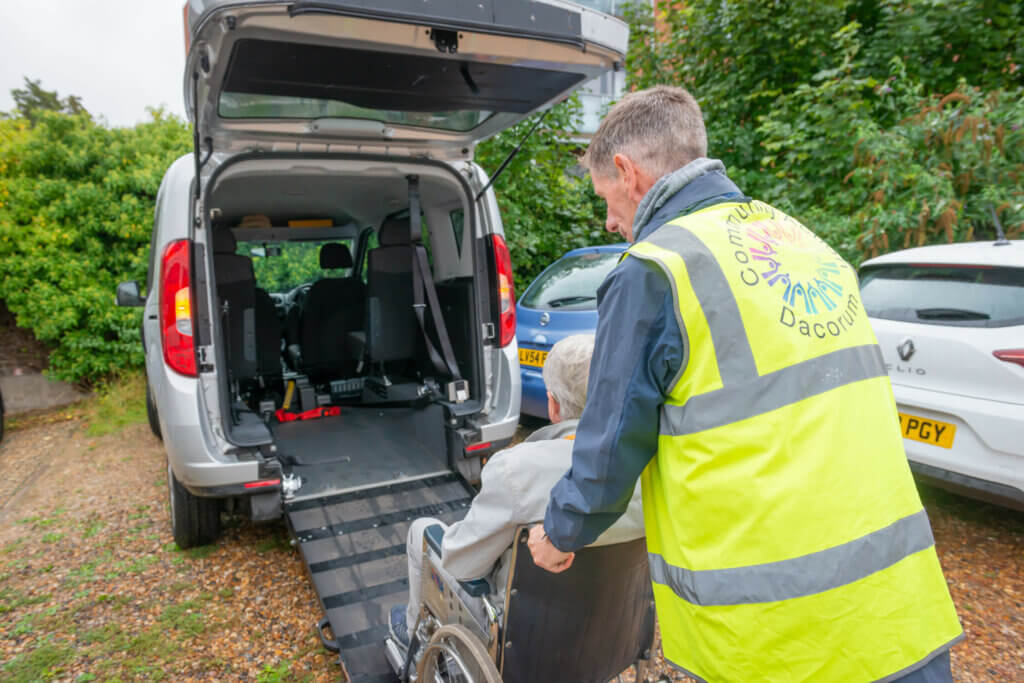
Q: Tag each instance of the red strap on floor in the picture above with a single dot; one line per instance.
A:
(322, 411)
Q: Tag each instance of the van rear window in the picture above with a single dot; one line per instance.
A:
(273, 79)
(940, 294)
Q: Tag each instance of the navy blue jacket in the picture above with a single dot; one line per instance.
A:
(638, 351)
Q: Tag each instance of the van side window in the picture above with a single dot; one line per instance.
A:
(458, 219)
(372, 242)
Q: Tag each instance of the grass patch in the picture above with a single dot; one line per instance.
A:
(275, 674)
(12, 546)
(200, 551)
(118, 404)
(142, 564)
(45, 662)
(10, 600)
(52, 537)
(93, 528)
(185, 616)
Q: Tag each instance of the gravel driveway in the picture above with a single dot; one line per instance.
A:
(93, 588)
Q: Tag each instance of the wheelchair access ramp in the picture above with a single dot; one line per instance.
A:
(353, 544)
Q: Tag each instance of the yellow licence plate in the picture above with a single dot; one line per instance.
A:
(532, 357)
(927, 431)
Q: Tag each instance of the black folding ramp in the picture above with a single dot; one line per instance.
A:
(353, 544)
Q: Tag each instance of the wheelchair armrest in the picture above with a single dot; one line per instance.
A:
(476, 588)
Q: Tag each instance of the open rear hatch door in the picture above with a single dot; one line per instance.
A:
(409, 77)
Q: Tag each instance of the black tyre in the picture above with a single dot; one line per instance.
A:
(154, 420)
(194, 520)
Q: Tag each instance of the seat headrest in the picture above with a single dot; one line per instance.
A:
(394, 232)
(224, 241)
(335, 255)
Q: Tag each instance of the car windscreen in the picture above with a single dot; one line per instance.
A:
(571, 283)
(942, 294)
(282, 266)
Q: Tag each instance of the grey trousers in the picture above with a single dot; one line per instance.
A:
(414, 553)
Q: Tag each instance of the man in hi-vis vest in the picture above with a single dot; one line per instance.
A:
(735, 373)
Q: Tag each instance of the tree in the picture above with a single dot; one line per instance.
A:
(33, 99)
(878, 123)
(547, 205)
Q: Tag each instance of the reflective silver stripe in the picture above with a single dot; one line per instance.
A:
(717, 301)
(759, 395)
(799, 576)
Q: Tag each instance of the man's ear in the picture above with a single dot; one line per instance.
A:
(635, 180)
(626, 171)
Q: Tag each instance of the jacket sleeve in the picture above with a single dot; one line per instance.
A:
(472, 546)
(638, 351)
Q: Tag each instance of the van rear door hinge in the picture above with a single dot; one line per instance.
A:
(489, 332)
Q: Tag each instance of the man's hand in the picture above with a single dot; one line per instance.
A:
(545, 554)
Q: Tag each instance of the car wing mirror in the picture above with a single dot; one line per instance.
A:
(128, 294)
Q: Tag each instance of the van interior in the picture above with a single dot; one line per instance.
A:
(321, 279)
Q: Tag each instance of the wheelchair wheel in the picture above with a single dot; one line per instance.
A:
(455, 655)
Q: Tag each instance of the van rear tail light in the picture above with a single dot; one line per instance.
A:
(506, 291)
(176, 322)
(1011, 356)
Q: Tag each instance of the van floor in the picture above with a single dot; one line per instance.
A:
(363, 446)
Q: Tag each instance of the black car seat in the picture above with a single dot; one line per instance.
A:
(268, 340)
(236, 291)
(391, 327)
(250, 321)
(333, 308)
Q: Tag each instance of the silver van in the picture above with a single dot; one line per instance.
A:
(329, 304)
(329, 318)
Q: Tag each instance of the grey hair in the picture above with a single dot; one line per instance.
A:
(660, 129)
(566, 371)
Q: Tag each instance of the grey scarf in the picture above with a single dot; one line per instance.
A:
(667, 187)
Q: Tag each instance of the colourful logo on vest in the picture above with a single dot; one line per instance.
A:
(778, 252)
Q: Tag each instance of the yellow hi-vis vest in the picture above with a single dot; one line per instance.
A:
(786, 539)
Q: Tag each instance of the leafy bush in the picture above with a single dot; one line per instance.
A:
(76, 207)
(547, 205)
(880, 123)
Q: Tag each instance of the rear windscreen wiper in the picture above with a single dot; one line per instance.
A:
(566, 300)
(950, 314)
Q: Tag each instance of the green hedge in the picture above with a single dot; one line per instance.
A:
(76, 214)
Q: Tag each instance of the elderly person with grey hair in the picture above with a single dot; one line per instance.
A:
(741, 382)
(514, 490)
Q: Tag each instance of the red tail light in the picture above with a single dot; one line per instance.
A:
(1011, 356)
(176, 320)
(506, 291)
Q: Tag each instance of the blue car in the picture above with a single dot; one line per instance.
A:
(562, 301)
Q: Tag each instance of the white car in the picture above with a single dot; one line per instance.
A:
(950, 321)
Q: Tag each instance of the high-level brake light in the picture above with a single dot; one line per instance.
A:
(176, 322)
(506, 291)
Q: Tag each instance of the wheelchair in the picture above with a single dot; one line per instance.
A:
(589, 623)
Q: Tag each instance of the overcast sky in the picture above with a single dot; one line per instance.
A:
(119, 56)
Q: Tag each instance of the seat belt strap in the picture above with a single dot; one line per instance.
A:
(423, 281)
